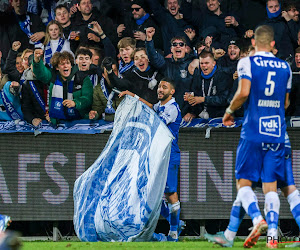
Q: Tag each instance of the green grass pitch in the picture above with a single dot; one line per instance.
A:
(135, 245)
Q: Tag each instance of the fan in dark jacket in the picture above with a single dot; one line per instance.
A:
(175, 68)
(86, 15)
(211, 88)
(143, 79)
(34, 98)
(24, 27)
(136, 23)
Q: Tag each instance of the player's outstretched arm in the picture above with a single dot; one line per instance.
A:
(136, 96)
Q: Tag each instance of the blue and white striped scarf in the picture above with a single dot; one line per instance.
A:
(94, 79)
(109, 108)
(48, 50)
(57, 110)
(37, 95)
(123, 67)
(25, 27)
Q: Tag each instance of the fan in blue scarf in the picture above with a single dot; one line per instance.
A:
(25, 27)
(57, 110)
(123, 67)
(48, 50)
(274, 14)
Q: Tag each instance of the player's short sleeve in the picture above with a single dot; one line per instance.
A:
(170, 114)
(289, 83)
(155, 107)
(244, 69)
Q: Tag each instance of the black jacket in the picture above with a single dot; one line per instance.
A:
(294, 108)
(10, 66)
(282, 35)
(170, 27)
(16, 34)
(131, 26)
(216, 101)
(137, 82)
(228, 65)
(29, 104)
(79, 24)
(175, 70)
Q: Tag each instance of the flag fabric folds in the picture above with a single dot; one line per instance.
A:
(119, 197)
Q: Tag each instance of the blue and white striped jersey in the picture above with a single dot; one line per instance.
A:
(171, 116)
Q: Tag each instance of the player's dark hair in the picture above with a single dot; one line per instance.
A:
(169, 80)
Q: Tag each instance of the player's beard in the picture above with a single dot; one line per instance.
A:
(164, 97)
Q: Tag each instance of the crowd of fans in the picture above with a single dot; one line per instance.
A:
(61, 60)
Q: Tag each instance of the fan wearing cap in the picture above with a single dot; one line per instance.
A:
(34, 96)
(229, 61)
(135, 24)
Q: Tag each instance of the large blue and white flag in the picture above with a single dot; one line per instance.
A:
(119, 197)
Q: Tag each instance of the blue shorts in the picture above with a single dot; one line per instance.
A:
(172, 179)
(255, 160)
(288, 175)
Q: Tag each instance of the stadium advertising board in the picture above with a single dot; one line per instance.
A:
(37, 174)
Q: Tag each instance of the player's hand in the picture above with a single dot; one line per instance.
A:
(92, 114)
(139, 35)
(228, 120)
(194, 100)
(120, 29)
(126, 92)
(189, 117)
(69, 103)
(16, 45)
(235, 75)
(93, 37)
(150, 33)
(36, 121)
(37, 55)
(37, 36)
